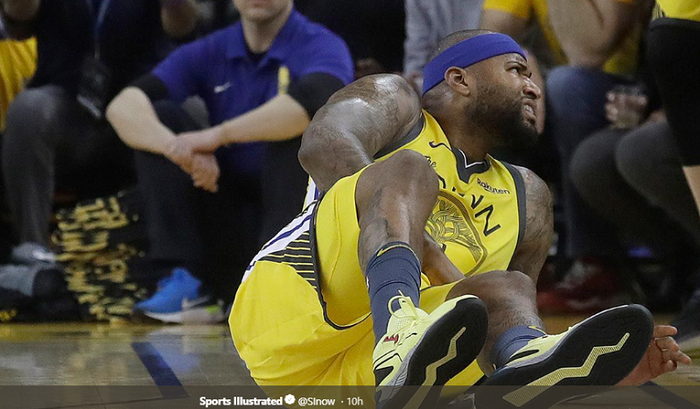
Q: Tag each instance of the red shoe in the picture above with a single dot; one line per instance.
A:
(588, 287)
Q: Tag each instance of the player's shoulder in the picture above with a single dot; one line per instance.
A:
(530, 178)
(536, 189)
(386, 86)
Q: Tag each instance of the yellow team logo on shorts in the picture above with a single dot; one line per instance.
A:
(449, 224)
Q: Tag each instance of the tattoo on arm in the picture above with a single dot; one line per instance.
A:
(532, 252)
(356, 123)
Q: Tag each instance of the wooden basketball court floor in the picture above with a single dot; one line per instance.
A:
(34, 358)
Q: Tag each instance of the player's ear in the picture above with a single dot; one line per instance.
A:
(459, 80)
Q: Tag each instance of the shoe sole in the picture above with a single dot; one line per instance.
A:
(450, 345)
(600, 351)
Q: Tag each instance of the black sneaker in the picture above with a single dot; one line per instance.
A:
(599, 351)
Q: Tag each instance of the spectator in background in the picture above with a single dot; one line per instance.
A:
(427, 22)
(262, 80)
(674, 41)
(631, 175)
(599, 42)
(21, 285)
(55, 135)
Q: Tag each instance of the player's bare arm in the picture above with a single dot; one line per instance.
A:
(531, 253)
(355, 124)
(435, 264)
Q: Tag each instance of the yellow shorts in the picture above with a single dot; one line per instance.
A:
(290, 333)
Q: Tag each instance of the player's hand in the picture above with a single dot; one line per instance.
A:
(204, 141)
(662, 356)
(205, 172)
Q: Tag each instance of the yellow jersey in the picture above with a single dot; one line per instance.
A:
(17, 65)
(681, 9)
(623, 62)
(479, 215)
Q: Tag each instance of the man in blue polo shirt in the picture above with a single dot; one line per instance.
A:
(262, 80)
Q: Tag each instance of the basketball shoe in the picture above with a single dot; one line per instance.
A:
(421, 349)
(599, 351)
(179, 299)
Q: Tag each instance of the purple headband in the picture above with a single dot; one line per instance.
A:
(466, 53)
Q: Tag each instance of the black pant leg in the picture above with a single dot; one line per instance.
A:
(214, 235)
(170, 198)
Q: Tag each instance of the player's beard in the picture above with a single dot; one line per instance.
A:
(500, 118)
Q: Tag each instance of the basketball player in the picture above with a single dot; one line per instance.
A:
(419, 233)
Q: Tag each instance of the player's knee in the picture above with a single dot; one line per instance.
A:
(410, 170)
(519, 280)
(497, 286)
(511, 283)
(592, 164)
(632, 158)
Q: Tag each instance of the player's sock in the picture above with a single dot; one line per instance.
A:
(394, 269)
(511, 341)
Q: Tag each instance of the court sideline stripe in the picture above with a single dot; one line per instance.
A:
(160, 372)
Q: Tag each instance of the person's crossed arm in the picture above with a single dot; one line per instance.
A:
(184, 73)
(133, 117)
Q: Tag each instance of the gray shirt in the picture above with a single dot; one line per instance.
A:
(428, 21)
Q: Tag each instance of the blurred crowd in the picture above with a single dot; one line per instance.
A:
(97, 96)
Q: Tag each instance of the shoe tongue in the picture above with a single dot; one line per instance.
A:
(410, 313)
(405, 317)
(398, 323)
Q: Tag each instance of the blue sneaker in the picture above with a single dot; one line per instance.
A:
(178, 300)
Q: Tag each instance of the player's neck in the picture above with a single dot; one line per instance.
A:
(468, 140)
(259, 36)
(472, 147)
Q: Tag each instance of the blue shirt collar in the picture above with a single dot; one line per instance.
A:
(280, 46)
